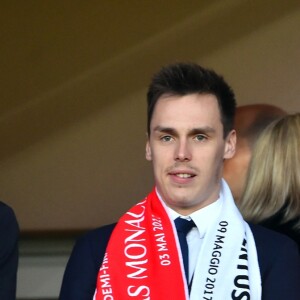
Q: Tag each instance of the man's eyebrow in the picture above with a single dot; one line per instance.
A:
(169, 130)
(205, 129)
(193, 131)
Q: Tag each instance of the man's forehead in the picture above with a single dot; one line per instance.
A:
(194, 105)
(201, 102)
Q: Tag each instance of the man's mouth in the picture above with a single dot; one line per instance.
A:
(184, 175)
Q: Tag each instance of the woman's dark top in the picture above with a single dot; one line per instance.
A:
(288, 228)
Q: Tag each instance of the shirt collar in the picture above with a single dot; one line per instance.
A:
(202, 217)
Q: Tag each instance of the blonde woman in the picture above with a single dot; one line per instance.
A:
(272, 193)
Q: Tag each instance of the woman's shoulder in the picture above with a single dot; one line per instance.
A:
(273, 246)
(268, 238)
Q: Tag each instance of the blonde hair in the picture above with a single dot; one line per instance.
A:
(273, 180)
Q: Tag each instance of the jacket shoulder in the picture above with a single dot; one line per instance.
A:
(267, 239)
(8, 224)
(7, 214)
(97, 239)
(79, 280)
(279, 262)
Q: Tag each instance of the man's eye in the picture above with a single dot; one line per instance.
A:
(166, 138)
(200, 137)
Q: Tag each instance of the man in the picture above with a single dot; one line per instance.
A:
(9, 236)
(249, 122)
(186, 239)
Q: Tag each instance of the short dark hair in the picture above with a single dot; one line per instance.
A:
(189, 78)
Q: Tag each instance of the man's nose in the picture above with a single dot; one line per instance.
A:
(183, 151)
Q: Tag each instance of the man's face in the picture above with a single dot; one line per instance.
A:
(187, 148)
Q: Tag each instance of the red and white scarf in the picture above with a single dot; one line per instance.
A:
(143, 258)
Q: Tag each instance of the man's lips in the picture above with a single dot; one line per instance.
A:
(182, 174)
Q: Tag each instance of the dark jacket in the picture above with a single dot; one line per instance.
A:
(278, 258)
(276, 223)
(9, 236)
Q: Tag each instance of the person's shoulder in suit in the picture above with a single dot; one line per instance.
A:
(7, 217)
(277, 255)
(80, 276)
(279, 263)
(9, 252)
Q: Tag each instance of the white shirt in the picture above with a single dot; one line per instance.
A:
(202, 218)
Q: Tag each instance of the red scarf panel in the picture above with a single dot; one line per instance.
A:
(142, 260)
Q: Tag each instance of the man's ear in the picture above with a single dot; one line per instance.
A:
(148, 151)
(230, 144)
